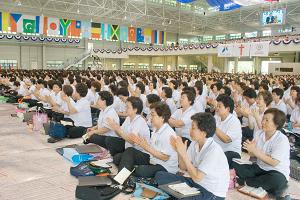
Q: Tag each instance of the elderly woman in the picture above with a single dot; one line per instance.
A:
(272, 151)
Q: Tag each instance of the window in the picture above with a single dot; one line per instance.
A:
(54, 64)
(129, 65)
(220, 37)
(207, 38)
(8, 64)
(171, 2)
(235, 36)
(156, 1)
(183, 41)
(266, 33)
(193, 67)
(251, 34)
(186, 6)
(143, 66)
(182, 67)
(158, 66)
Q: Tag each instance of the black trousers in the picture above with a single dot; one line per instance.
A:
(113, 144)
(74, 131)
(231, 155)
(133, 158)
(272, 181)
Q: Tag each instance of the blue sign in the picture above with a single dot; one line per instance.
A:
(185, 1)
(223, 5)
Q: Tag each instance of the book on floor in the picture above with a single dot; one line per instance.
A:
(258, 193)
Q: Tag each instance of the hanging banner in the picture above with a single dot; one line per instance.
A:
(244, 49)
(260, 49)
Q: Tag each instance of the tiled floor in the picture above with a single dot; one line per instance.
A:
(31, 169)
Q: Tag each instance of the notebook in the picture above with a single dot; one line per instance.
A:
(89, 148)
(242, 162)
(94, 181)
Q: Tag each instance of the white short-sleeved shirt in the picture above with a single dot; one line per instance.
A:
(160, 141)
(278, 148)
(211, 160)
(83, 117)
(119, 105)
(146, 110)
(199, 104)
(44, 92)
(186, 118)
(137, 126)
(245, 120)
(176, 96)
(64, 107)
(280, 106)
(213, 95)
(231, 126)
(154, 91)
(108, 112)
(171, 103)
(295, 118)
(56, 97)
(92, 97)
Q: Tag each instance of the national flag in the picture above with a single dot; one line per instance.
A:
(106, 32)
(161, 37)
(147, 35)
(14, 19)
(131, 34)
(27, 24)
(75, 28)
(86, 29)
(96, 30)
(139, 35)
(154, 37)
(45, 26)
(64, 26)
(53, 26)
(4, 21)
(115, 32)
(124, 33)
(39, 21)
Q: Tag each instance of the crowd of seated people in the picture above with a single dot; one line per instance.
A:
(161, 123)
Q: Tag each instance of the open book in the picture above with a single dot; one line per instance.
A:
(242, 162)
(184, 189)
(258, 193)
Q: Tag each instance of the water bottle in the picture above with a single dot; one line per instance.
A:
(290, 126)
(78, 158)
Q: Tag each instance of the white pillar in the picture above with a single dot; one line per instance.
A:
(226, 65)
(44, 57)
(236, 61)
(209, 63)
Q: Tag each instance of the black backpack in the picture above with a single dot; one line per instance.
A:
(96, 192)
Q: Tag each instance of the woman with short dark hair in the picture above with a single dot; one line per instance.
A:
(271, 148)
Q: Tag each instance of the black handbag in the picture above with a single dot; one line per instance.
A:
(96, 192)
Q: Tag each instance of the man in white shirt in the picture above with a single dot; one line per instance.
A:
(229, 131)
(102, 134)
(278, 103)
(295, 117)
(181, 119)
(203, 160)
